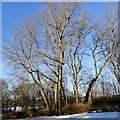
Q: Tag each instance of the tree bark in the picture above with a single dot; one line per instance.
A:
(59, 98)
(76, 91)
(42, 92)
(60, 83)
(64, 95)
(95, 78)
(56, 98)
(89, 90)
(75, 81)
(45, 100)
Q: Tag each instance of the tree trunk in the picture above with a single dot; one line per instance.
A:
(59, 98)
(76, 91)
(64, 95)
(66, 98)
(59, 90)
(44, 96)
(75, 79)
(45, 99)
(56, 97)
(89, 90)
(75, 83)
(96, 76)
(60, 70)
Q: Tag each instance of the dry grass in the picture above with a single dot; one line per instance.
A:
(76, 108)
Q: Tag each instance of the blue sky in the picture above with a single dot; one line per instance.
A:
(13, 12)
(16, 11)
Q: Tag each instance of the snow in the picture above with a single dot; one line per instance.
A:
(90, 115)
(18, 108)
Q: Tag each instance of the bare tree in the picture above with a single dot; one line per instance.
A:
(41, 43)
(5, 92)
(114, 65)
(75, 55)
(23, 54)
(58, 36)
(104, 46)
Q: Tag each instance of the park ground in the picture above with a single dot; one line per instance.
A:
(84, 116)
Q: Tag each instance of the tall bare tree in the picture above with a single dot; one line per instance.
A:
(58, 36)
(76, 53)
(40, 44)
(104, 46)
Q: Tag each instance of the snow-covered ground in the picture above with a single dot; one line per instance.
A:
(86, 116)
(90, 115)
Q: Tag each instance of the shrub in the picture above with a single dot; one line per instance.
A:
(76, 108)
(27, 113)
(36, 112)
(31, 113)
(1, 116)
(106, 103)
(43, 112)
(14, 115)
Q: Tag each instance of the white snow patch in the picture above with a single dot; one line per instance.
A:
(89, 115)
